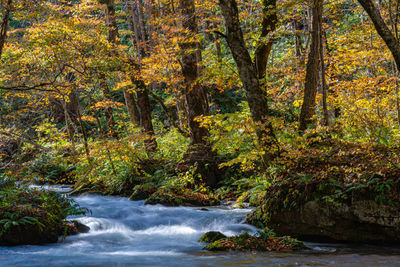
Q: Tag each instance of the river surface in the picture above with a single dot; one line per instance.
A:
(129, 233)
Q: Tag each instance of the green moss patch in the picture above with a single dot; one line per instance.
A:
(247, 242)
(211, 236)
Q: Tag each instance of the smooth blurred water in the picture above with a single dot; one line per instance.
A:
(129, 233)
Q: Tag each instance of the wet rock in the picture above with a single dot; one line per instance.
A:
(318, 220)
(247, 242)
(30, 234)
(211, 236)
(36, 234)
(75, 227)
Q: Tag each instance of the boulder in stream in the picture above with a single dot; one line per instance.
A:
(211, 236)
(361, 221)
(247, 242)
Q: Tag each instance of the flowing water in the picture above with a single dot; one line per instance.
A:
(129, 233)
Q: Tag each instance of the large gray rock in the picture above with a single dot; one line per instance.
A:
(362, 221)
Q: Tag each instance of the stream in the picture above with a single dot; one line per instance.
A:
(129, 233)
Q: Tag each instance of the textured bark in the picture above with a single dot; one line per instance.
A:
(312, 73)
(382, 29)
(256, 97)
(138, 25)
(70, 129)
(113, 38)
(4, 26)
(132, 108)
(195, 95)
(113, 34)
(323, 80)
(268, 26)
(142, 95)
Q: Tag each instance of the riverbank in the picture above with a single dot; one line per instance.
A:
(29, 216)
(125, 232)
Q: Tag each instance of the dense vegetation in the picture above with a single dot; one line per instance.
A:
(32, 216)
(181, 102)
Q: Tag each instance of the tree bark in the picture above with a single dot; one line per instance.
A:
(268, 26)
(199, 150)
(249, 76)
(131, 106)
(4, 26)
(323, 80)
(382, 29)
(113, 38)
(145, 115)
(142, 92)
(312, 73)
(107, 98)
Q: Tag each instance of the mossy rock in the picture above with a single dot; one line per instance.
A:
(180, 197)
(211, 237)
(364, 221)
(247, 242)
(31, 234)
(74, 227)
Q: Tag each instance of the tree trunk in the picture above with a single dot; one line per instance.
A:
(4, 26)
(142, 95)
(312, 73)
(138, 25)
(324, 85)
(256, 97)
(199, 150)
(70, 129)
(108, 110)
(113, 38)
(382, 29)
(268, 26)
(132, 108)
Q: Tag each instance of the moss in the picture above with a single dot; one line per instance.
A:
(247, 242)
(212, 236)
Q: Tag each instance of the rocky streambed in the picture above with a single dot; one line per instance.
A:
(130, 233)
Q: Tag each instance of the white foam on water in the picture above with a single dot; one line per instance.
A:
(168, 230)
(143, 253)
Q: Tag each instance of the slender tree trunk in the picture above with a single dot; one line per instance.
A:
(108, 99)
(138, 25)
(70, 129)
(4, 26)
(323, 80)
(382, 29)
(113, 38)
(311, 83)
(248, 73)
(84, 133)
